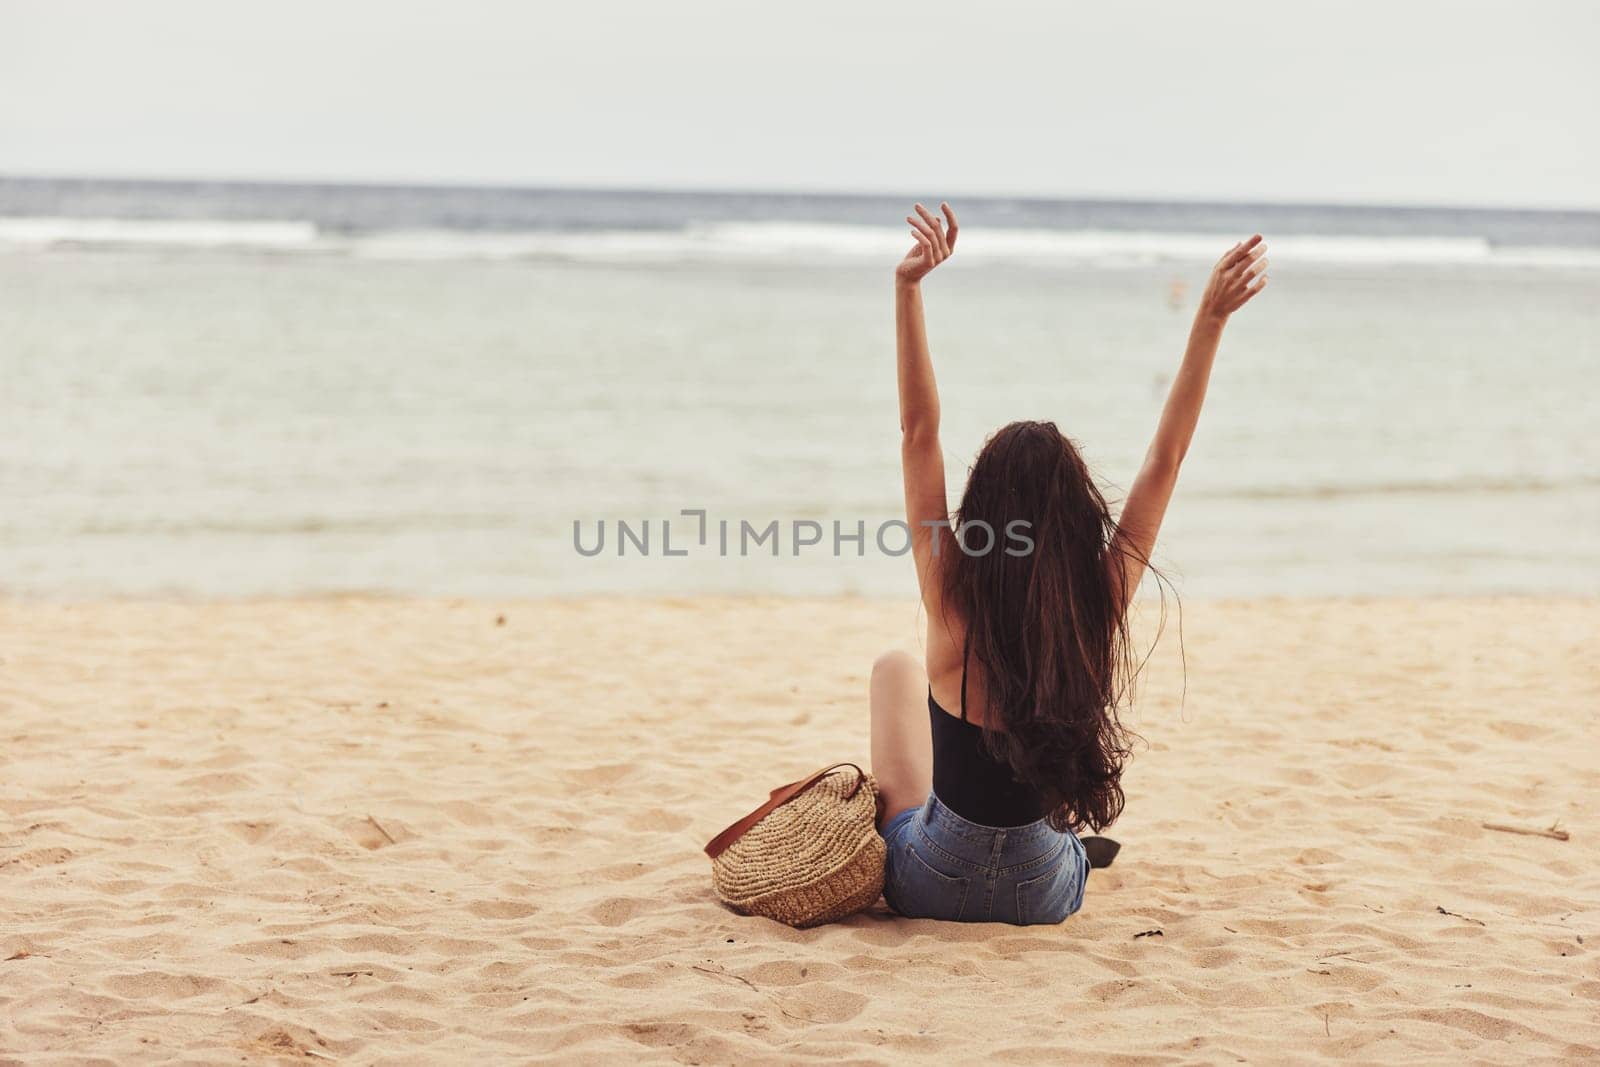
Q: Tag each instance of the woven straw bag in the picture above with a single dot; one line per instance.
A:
(811, 854)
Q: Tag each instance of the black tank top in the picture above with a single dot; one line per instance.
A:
(968, 780)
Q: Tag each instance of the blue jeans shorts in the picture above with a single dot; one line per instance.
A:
(940, 866)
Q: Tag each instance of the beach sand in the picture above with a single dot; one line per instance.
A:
(385, 831)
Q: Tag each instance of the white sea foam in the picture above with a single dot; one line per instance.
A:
(1095, 247)
(774, 242)
(820, 242)
(44, 231)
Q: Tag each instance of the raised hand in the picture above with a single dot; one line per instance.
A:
(1238, 276)
(935, 243)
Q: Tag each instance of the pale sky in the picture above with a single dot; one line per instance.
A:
(1355, 101)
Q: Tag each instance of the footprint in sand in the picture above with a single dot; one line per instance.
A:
(501, 909)
(614, 911)
(1480, 1024)
(659, 1035)
(38, 857)
(821, 1003)
(636, 979)
(1519, 731)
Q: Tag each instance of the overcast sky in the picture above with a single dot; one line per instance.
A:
(1461, 103)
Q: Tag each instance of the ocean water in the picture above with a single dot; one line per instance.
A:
(240, 390)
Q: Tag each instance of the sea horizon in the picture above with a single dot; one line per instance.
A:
(805, 191)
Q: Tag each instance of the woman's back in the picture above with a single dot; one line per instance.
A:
(967, 776)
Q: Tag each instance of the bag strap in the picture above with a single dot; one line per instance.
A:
(780, 796)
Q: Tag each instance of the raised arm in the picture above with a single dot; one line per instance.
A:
(921, 458)
(1238, 276)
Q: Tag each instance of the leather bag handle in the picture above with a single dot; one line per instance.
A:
(780, 796)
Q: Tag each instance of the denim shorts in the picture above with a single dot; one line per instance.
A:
(942, 866)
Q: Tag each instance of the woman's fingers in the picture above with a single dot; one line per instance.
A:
(1245, 295)
(936, 226)
(928, 243)
(1239, 275)
(934, 241)
(1252, 264)
(925, 235)
(1245, 258)
(1248, 294)
(1239, 252)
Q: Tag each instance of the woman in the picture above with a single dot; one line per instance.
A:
(991, 755)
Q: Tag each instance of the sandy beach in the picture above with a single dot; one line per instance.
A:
(409, 831)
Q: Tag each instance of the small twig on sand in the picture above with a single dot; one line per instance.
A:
(1558, 835)
(722, 973)
(379, 827)
(1458, 915)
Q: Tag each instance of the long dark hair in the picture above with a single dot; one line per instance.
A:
(1046, 625)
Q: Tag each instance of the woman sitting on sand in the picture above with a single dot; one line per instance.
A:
(1028, 651)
